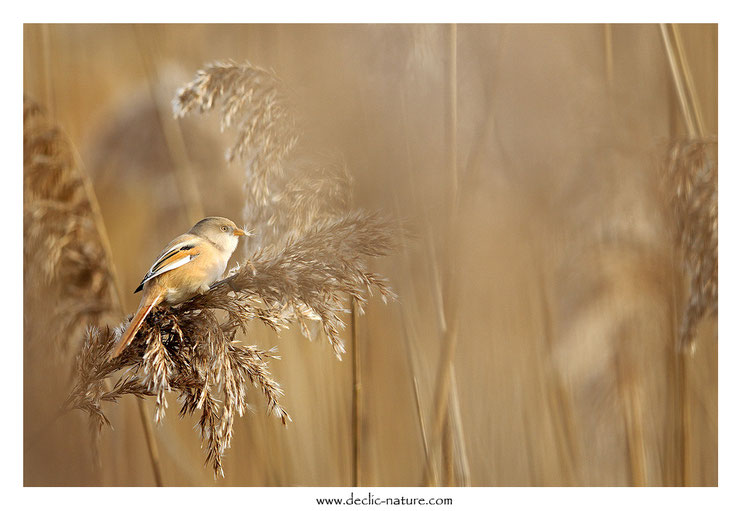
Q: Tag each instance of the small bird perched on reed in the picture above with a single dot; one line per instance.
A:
(189, 265)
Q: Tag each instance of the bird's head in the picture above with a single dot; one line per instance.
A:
(222, 232)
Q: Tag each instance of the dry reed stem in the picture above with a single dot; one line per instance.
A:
(608, 53)
(356, 420)
(430, 470)
(457, 425)
(443, 386)
(674, 454)
(685, 419)
(534, 475)
(449, 478)
(149, 436)
(430, 473)
(452, 113)
(448, 315)
(630, 402)
(558, 401)
(682, 80)
(688, 81)
(46, 52)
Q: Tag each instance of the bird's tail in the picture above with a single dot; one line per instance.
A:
(148, 303)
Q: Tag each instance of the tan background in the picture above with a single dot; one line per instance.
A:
(556, 266)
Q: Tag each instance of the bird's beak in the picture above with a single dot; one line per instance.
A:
(240, 232)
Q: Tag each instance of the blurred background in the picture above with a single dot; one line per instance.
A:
(534, 339)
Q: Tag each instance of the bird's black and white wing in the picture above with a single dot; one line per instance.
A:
(181, 251)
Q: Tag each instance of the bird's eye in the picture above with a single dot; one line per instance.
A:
(225, 228)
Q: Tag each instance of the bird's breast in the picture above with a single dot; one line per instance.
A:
(186, 281)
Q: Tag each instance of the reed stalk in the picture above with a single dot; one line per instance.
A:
(683, 80)
(448, 312)
(430, 470)
(608, 53)
(356, 411)
(558, 400)
(457, 426)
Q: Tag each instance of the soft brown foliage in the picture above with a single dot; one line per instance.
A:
(61, 245)
(692, 184)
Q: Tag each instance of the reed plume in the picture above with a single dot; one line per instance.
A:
(62, 250)
(691, 181)
(288, 187)
(312, 258)
(311, 189)
(253, 101)
(188, 349)
(290, 191)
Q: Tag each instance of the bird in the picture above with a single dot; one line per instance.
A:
(188, 265)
